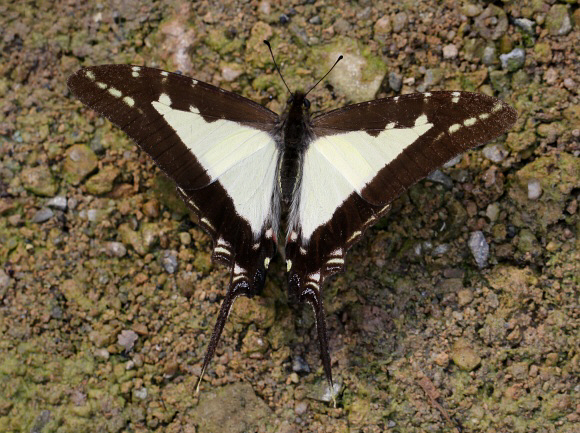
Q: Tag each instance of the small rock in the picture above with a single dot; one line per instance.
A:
(79, 163)
(525, 24)
(140, 393)
(342, 26)
(492, 23)
(534, 189)
(169, 261)
(399, 22)
(231, 72)
(395, 81)
(299, 365)
(102, 353)
(315, 20)
(58, 202)
(464, 356)
(438, 176)
(265, 7)
(495, 152)
(301, 408)
(102, 182)
(453, 161)
(464, 297)
(450, 51)
(4, 282)
(489, 55)
(479, 248)
(440, 250)
(42, 215)
(115, 249)
(558, 21)
(39, 181)
(569, 83)
(513, 60)
(492, 211)
(471, 10)
(184, 238)
(383, 26)
(127, 339)
(441, 359)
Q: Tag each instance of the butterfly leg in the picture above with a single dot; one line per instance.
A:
(312, 296)
(240, 288)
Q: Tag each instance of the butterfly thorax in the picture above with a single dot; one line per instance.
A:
(296, 135)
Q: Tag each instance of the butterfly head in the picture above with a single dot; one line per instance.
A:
(298, 101)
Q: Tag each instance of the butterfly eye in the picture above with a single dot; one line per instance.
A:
(306, 103)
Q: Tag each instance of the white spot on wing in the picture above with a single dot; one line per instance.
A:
(129, 101)
(267, 262)
(469, 122)
(90, 75)
(222, 250)
(455, 98)
(454, 128)
(335, 261)
(483, 116)
(164, 99)
(496, 107)
(238, 270)
(354, 236)
(101, 85)
(207, 223)
(315, 276)
(288, 265)
(193, 109)
(115, 92)
(135, 74)
(135, 68)
(164, 73)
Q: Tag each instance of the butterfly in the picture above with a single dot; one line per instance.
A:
(256, 179)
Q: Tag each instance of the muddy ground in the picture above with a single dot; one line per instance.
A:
(457, 312)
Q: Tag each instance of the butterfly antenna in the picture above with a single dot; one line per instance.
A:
(277, 68)
(335, 63)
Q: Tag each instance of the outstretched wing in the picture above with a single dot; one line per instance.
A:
(217, 146)
(361, 158)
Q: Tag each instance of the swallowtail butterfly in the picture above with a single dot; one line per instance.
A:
(255, 178)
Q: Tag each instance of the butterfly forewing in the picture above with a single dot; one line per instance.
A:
(205, 139)
(364, 155)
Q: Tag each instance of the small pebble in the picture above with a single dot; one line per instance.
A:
(479, 248)
(301, 408)
(42, 215)
(115, 249)
(450, 51)
(127, 339)
(169, 261)
(534, 189)
(299, 365)
(58, 202)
